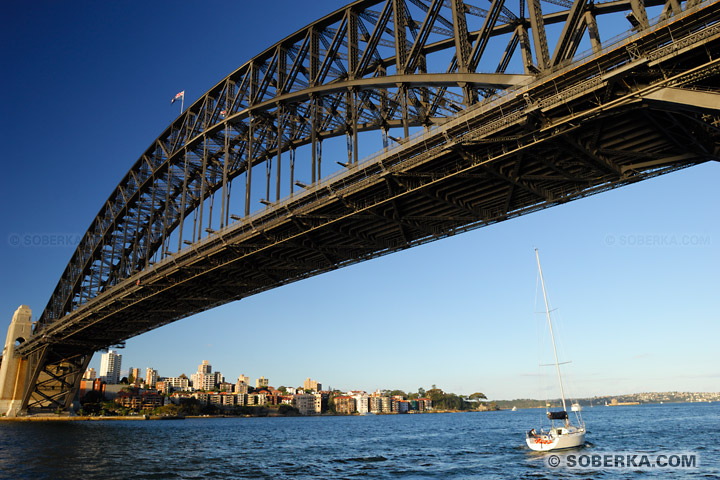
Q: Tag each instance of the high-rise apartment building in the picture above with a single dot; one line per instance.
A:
(313, 385)
(90, 374)
(262, 382)
(151, 377)
(110, 363)
(134, 373)
(205, 367)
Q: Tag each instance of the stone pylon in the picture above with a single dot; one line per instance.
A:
(14, 369)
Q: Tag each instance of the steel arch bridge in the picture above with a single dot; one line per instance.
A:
(496, 113)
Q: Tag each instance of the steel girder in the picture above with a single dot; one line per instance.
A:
(363, 67)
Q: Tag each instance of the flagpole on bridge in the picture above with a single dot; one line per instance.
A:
(181, 96)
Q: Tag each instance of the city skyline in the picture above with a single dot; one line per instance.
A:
(632, 271)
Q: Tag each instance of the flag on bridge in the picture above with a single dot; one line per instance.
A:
(179, 96)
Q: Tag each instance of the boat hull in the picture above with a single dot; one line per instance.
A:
(545, 443)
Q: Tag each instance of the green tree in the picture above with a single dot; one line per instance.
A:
(478, 396)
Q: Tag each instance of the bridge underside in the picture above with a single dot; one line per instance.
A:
(577, 133)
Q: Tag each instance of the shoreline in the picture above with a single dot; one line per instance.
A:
(87, 418)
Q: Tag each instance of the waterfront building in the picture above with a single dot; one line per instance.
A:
(89, 374)
(291, 390)
(228, 399)
(110, 363)
(386, 404)
(321, 400)
(226, 387)
(345, 404)
(361, 402)
(241, 399)
(305, 403)
(242, 387)
(375, 404)
(401, 406)
(311, 385)
(424, 404)
(244, 379)
(262, 382)
(151, 377)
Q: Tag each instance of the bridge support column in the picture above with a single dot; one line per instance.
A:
(14, 369)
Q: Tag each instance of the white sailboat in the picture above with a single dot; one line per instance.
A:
(562, 434)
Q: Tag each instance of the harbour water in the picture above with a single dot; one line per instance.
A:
(452, 445)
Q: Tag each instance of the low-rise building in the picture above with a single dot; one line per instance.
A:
(305, 403)
(226, 387)
(344, 404)
(137, 399)
(424, 404)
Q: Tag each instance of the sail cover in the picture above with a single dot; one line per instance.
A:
(557, 415)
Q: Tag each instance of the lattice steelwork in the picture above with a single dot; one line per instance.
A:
(492, 145)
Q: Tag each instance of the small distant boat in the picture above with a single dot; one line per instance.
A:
(564, 435)
(514, 409)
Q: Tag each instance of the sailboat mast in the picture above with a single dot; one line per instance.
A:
(552, 335)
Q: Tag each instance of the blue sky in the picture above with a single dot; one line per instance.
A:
(633, 272)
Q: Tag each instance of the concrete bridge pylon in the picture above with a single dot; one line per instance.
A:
(14, 369)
